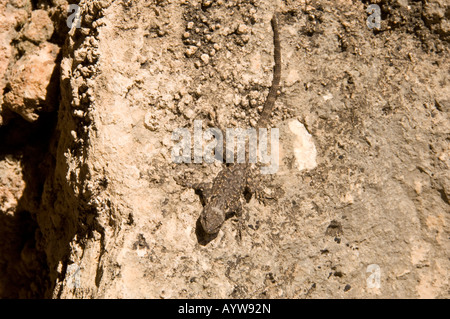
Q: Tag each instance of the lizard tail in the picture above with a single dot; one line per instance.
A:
(271, 97)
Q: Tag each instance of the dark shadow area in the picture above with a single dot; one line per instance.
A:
(23, 266)
(203, 238)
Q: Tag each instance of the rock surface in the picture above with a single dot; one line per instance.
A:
(10, 18)
(27, 61)
(30, 88)
(368, 215)
(40, 28)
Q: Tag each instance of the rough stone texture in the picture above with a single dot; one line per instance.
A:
(10, 18)
(30, 87)
(113, 222)
(12, 185)
(28, 68)
(40, 28)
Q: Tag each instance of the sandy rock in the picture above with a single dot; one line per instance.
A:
(343, 217)
(434, 10)
(303, 146)
(10, 18)
(358, 209)
(40, 28)
(30, 82)
(12, 185)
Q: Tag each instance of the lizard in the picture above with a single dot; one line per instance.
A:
(224, 195)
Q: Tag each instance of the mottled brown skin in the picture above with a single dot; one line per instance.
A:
(225, 195)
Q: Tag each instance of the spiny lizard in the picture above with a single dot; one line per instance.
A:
(225, 195)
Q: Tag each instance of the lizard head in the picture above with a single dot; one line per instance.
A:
(211, 219)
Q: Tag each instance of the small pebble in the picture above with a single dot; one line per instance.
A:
(242, 29)
(191, 50)
(150, 122)
(207, 3)
(205, 58)
(244, 103)
(78, 113)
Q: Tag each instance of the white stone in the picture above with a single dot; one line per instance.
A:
(304, 148)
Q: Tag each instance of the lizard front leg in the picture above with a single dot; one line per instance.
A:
(205, 189)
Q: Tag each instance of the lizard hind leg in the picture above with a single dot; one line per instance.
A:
(253, 185)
